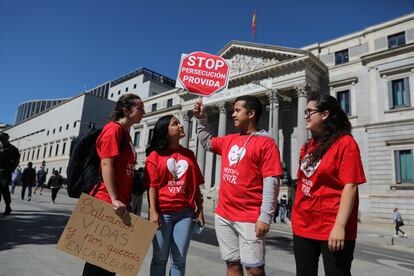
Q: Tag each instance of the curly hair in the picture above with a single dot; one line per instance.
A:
(335, 126)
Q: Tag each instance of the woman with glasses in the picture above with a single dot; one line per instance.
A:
(325, 211)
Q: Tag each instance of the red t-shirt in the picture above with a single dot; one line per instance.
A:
(242, 173)
(319, 190)
(175, 174)
(108, 145)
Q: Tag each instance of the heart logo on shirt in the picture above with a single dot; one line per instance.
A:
(308, 171)
(177, 169)
(236, 154)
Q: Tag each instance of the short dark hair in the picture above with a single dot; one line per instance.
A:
(30, 164)
(4, 135)
(252, 103)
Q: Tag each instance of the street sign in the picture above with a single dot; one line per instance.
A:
(203, 74)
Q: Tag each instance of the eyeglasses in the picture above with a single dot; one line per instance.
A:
(310, 111)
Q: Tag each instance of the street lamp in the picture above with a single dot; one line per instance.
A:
(274, 111)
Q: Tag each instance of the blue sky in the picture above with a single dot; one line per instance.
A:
(59, 48)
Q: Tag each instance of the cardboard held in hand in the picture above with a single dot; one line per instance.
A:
(98, 236)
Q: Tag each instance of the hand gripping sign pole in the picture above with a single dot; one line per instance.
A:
(203, 74)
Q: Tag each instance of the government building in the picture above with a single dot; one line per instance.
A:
(370, 72)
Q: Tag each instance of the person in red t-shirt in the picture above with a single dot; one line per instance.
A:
(118, 158)
(325, 211)
(249, 186)
(173, 177)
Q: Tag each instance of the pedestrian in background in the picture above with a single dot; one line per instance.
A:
(55, 182)
(282, 208)
(324, 217)
(137, 191)
(16, 178)
(9, 160)
(118, 158)
(41, 179)
(398, 223)
(174, 179)
(28, 180)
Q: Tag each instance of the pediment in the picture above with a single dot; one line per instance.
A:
(245, 57)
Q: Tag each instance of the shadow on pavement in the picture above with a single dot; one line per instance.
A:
(208, 236)
(280, 243)
(31, 228)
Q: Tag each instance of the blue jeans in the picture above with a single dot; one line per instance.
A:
(282, 212)
(173, 238)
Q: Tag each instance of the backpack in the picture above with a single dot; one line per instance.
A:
(84, 167)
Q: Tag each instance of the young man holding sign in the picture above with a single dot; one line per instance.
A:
(249, 186)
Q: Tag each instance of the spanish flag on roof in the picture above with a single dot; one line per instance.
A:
(254, 24)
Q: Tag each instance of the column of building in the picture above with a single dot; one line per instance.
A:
(222, 128)
(301, 91)
(186, 126)
(273, 115)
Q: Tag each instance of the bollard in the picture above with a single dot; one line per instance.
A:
(392, 240)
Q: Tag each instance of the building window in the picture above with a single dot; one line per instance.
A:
(399, 93)
(44, 152)
(119, 92)
(135, 86)
(50, 151)
(396, 40)
(112, 95)
(344, 101)
(169, 102)
(67, 126)
(137, 137)
(126, 89)
(24, 155)
(38, 153)
(154, 107)
(60, 129)
(33, 152)
(57, 149)
(47, 133)
(150, 134)
(63, 148)
(341, 57)
(54, 130)
(404, 166)
(74, 124)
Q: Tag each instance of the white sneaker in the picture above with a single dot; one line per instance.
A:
(395, 236)
(405, 235)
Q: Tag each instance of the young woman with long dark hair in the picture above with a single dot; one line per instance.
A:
(172, 173)
(118, 157)
(324, 218)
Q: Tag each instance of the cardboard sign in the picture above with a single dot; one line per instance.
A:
(203, 74)
(97, 235)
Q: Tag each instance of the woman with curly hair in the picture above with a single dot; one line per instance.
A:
(325, 210)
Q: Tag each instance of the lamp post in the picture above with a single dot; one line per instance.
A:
(274, 111)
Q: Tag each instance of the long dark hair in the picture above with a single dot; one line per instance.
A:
(159, 140)
(335, 126)
(127, 101)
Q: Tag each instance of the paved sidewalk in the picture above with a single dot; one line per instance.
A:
(28, 243)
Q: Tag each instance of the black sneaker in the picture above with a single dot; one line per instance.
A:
(7, 212)
(30, 198)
